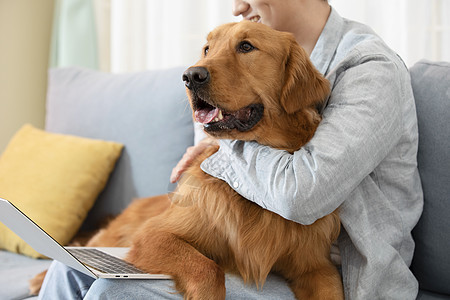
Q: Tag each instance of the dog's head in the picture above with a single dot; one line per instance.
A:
(255, 83)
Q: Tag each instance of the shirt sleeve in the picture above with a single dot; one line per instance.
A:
(360, 126)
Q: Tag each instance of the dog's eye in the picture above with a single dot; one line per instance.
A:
(205, 50)
(245, 47)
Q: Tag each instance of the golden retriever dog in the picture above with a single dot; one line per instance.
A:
(252, 83)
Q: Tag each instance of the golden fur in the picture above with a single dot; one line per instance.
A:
(205, 228)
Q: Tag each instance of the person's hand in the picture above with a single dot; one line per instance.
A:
(188, 157)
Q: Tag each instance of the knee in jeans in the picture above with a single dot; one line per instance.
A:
(103, 288)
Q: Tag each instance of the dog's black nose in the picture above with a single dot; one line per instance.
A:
(195, 77)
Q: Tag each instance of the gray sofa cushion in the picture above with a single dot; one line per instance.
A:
(431, 263)
(146, 111)
(15, 272)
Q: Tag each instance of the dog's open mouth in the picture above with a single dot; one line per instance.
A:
(215, 119)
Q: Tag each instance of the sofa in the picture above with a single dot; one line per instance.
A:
(148, 113)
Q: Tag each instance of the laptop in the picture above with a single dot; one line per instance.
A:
(98, 262)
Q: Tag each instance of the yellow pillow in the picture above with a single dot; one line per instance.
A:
(54, 179)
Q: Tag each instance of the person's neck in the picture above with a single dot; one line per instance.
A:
(309, 26)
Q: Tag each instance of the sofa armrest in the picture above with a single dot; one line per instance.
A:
(431, 263)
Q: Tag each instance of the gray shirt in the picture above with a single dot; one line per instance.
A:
(362, 159)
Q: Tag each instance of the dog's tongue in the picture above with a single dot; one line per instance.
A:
(205, 116)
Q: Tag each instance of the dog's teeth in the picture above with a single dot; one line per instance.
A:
(219, 117)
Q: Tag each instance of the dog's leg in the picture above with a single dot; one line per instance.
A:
(320, 284)
(169, 245)
(35, 283)
(195, 275)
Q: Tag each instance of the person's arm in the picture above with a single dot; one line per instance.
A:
(360, 126)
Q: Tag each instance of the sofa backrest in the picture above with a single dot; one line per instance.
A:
(148, 112)
(431, 263)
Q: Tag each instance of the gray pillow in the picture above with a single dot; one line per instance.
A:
(431, 263)
(147, 111)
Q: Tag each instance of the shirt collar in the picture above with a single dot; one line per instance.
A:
(328, 41)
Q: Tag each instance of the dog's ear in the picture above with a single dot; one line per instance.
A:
(304, 86)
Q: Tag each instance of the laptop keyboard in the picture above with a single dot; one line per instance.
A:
(104, 262)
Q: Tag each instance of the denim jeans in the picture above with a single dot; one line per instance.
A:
(62, 282)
